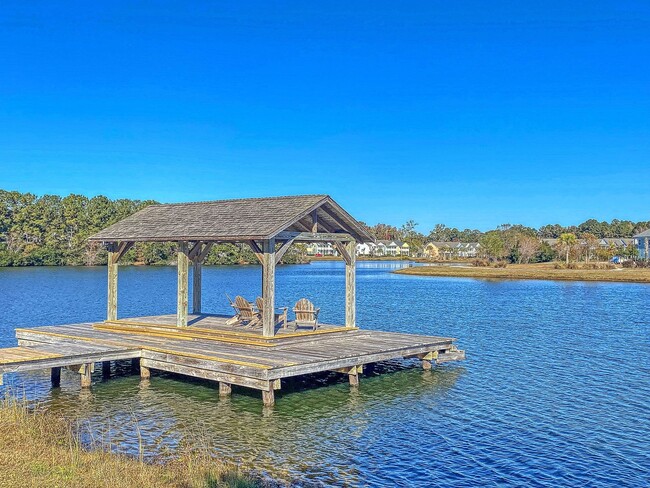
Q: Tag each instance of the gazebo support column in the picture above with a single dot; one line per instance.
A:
(350, 285)
(182, 295)
(268, 288)
(196, 286)
(111, 306)
(349, 252)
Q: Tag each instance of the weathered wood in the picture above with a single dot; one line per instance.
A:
(145, 373)
(225, 389)
(111, 307)
(182, 291)
(354, 379)
(204, 253)
(268, 288)
(195, 250)
(279, 253)
(257, 251)
(268, 397)
(314, 237)
(340, 247)
(122, 249)
(196, 286)
(426, 364)
(1, 379)
(314, 221)
(86, 375)
(350, 286)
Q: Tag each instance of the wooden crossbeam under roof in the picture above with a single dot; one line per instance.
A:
(242, 220)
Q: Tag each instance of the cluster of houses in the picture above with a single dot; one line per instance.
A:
(396, 248)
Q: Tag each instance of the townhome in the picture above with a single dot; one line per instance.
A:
(642, 243)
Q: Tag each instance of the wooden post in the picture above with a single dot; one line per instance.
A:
(353, 376)
(268, 288)
(55, 376)
(182, 295)
(268, 397)
(350, 285)
(111, 313)
(145, 373)
(426, 364)
(106, 369)
(86, 375)
(196, 286)
(225, 389)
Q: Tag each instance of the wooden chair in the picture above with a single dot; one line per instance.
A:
(306, 313)
(279, 317)
(245, 314)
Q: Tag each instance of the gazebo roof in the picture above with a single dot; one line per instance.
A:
(235, 221)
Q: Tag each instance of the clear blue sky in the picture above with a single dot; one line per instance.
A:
(468, 113)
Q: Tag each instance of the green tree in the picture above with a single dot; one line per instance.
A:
(567, 242)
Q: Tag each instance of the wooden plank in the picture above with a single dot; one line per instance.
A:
(208, 374)
(182, 290)
(111, 306)
(268, 288)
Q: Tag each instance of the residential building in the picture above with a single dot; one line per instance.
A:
(321, 249)
(449, 250)
(642, 242)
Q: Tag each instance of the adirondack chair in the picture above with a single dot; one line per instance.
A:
(245, 314)
(279, 317)
(306, 313)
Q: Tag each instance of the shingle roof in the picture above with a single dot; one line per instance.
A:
(645, 233)
(232, 220)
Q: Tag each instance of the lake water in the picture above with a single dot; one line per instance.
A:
(555, 389)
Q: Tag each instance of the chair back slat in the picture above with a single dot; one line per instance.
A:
(304, 310)
(245, 308)
(259, 303)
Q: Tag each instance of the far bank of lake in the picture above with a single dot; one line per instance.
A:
(541, 271)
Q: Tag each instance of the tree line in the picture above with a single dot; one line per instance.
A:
(53, 230)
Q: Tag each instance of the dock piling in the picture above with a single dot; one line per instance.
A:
(268, 397)
(86, 375)
(225, 389)
(55, 376)
(145, 373)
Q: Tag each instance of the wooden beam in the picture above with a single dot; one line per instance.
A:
(268, 288)
(205, 251)
(282, 250)
(182, 291)
(334, 217)
(257, 251)
(194, 252)
(196, 286)
(350, 285)
(122, 249)
(314, 237)
(111, 305)
(340, 247)
(314, 221)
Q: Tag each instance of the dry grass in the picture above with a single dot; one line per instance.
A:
(39, 449)
(542, 271)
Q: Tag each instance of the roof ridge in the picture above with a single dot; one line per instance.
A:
(203, 202)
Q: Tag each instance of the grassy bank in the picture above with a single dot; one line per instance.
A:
(541, 271)
(40, 449)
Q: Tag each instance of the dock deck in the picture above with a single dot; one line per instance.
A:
(208, 348)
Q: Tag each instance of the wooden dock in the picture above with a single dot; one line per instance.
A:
(208, 348)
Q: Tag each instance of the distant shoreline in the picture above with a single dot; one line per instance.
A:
(543, 271)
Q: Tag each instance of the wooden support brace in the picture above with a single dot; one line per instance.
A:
(86, 375)
(225, 389)
(195, 250)
(257, 251)
(122, 249)
(340, 247)
(283, 249)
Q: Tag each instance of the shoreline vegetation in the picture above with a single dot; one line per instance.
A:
(538, 271)
(41, 449)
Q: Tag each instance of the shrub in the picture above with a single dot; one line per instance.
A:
(481, 263)
(500, 264)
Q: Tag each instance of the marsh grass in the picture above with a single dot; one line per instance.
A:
(39, 448)
(541, 271)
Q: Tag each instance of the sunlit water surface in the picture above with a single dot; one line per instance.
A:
(555, 389)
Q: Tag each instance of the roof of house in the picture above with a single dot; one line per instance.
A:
(645, 233)
(233, 220)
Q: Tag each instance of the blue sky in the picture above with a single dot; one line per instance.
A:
(468, 113)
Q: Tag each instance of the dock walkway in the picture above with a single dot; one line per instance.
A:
(208, 348)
